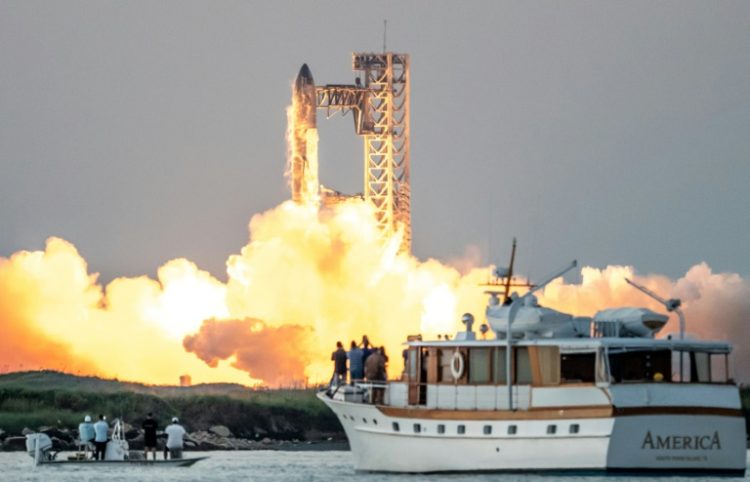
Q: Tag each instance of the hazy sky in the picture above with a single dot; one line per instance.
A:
(614, 132)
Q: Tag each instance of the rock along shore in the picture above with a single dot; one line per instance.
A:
(217, 437)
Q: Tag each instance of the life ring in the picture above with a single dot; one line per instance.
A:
(457, 365)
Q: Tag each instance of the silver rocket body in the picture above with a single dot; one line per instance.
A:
(304, 175)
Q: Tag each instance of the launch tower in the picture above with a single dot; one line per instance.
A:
(386, 145)
(379, 102)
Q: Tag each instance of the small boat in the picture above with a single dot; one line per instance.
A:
(39, 447)
(551, 392)
(142, 462)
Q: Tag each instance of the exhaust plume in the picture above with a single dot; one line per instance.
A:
(306, 279)
(276, 355)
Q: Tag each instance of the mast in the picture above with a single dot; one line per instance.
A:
(510, 271)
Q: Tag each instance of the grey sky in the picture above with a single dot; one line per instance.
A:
(615, 132)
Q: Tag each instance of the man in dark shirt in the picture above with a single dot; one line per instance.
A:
(339, 364)
(149, 435)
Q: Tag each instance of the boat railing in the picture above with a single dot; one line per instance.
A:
(374, 392)
(359, 391)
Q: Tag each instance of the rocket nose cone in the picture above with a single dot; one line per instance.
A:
(304, 77)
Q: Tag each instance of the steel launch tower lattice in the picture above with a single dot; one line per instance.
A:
(380, 104)
(386, 147)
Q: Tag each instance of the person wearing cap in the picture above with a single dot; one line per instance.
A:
(86, 435)
(175, 438)
(149, 435)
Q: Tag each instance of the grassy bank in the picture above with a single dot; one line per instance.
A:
(35, 399)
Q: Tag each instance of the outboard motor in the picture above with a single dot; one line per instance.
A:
(117, 448)
(39, 447)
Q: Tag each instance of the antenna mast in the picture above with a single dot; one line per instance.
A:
(510, 270)
(385, 32)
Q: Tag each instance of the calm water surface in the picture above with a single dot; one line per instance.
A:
(259, 465)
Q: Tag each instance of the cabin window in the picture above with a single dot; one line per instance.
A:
(512, 429)
(396, 428)
(413, 353)
(719, 366)
(488, 429)
(498, 366)
(444, 370)
(701, 367)
(417, 428)
(551, 429)
(548, 359)
(441, 428)
(479, 365)
(578, 367)
(461, 429)
(574, 428)
(641, 366)
(523, 366)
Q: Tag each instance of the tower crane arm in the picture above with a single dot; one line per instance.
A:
(647, 292)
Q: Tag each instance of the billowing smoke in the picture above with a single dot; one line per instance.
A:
(322, 270)
(314, 278)
(54, 315)
(276, 355)
(24, 343)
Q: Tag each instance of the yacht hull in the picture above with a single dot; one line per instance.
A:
(423, 442)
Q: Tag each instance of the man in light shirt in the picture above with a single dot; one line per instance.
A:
(175, 438)
(101, 431)
(86, 435)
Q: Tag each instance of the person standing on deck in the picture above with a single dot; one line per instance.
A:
(375, 373)
(101, 434)
(149, 435)
(365, 344)
(356, 363)
(175, 438)
(339, 364)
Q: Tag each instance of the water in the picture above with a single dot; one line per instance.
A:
(261, 465)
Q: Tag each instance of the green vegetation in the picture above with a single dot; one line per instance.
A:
(34, 399)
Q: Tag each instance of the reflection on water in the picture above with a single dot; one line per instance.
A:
(231, 466)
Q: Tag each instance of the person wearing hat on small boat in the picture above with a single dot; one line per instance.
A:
(101, 434)
(175, 438)
(149, 435)
(86, 434)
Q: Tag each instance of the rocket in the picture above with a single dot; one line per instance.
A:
(304, 139)
(304, 95)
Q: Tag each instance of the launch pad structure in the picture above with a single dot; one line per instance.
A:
(379, 103)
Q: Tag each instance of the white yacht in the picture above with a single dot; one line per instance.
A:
(551, 392)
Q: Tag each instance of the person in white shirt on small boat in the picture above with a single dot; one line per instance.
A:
(86, 435)
(175, 438)
(101, 435)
